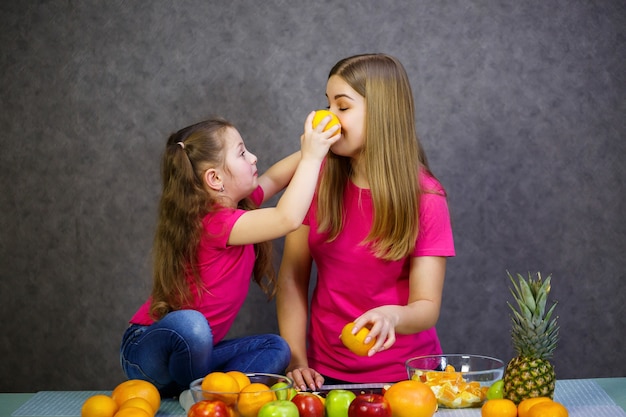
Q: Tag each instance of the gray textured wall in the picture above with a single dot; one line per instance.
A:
(521, 108)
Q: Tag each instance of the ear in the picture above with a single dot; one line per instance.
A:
(213, 179)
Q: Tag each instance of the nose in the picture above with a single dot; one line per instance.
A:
(252, 157)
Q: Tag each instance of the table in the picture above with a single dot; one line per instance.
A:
(614, 388)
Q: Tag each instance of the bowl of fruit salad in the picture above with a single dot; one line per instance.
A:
(458, 380)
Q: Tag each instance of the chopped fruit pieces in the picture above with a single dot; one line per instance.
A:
(451, 389)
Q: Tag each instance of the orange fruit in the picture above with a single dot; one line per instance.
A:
(411, 399)
(222, 387)
(548, 409)
(524, 405)
(499, 407)
(252, 397)
(132, 412)
(355, 342)
(99, 406)
(242, 379)
(139, 402)
(321, 114)
(134, 388)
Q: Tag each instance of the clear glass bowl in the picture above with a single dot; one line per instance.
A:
(232, 398)
(464, 386)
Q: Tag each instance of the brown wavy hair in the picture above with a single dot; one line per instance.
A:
(184, 203)
(392, 156)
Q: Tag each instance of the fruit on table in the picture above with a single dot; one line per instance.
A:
(132, 412)
(411, 399)
(282, 392)
(337, 402)
(139, 402)
(321, 114)
(535, 335)
(209, 408)
(369, 405)
(356, 342)
(309, 404)
(496, 390)
(548, 409)
(279, 408)
(500, 407)
(252, 397)
(134, 388)
(99, 406)
(451, 389)
(525, 405)
(225, 387)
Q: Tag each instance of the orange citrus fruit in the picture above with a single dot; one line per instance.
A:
(221, 386)
(99, 406)
(548, 409)
(499, 407)
(242, 379)
(252, 397)
(139, 402)
(411, 399)
(319, 116)
(355, 342)
(134, 388)
(524, 405)
(132, 412)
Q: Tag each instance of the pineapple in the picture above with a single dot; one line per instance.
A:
(535, 335)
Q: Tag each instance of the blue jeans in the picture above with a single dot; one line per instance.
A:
(178, 349)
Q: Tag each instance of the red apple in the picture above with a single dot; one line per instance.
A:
(309, 405)
(209, 408)
(369, 405)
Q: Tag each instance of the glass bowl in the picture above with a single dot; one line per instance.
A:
(248, 399)
(458, 380)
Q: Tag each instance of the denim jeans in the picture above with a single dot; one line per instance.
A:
(178, 349)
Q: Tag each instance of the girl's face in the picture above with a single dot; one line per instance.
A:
(240, 178)
(349, 106)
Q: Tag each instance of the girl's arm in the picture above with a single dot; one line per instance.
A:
(273, 222)
(276, 178)
(426, 279)
(292, 306)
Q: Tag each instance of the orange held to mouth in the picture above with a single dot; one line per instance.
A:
(321, 114)
(355, 342)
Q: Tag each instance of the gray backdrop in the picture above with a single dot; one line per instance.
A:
(521, 109)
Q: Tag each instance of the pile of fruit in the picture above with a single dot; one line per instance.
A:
(132, 398)
(530, 407)
(406, 398)
(451, 389)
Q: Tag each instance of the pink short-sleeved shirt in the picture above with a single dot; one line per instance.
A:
(351, 281)
(225, 271)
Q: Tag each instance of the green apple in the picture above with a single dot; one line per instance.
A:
(282, 392)
(338, 401)
(278, 408)
(496, 390)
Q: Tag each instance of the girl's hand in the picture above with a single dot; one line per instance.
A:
(315, 143)
(382, 323)
(305, 378)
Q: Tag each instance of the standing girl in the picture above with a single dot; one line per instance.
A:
(209, 242)
(379, 233)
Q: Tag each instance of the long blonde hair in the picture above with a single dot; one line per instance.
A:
(391, 154)
(184, 202)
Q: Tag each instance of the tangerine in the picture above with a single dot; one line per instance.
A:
(356, 342)
(548, 409)
(139, 402)
(411, 399)
(242, 379)
(525, 405)
(99, 406)
(499, 407)
(221, 386)
(137, 388)
(252, 397)
(321, 114)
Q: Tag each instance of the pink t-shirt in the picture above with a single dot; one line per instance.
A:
(351, 281)
(225, 271)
